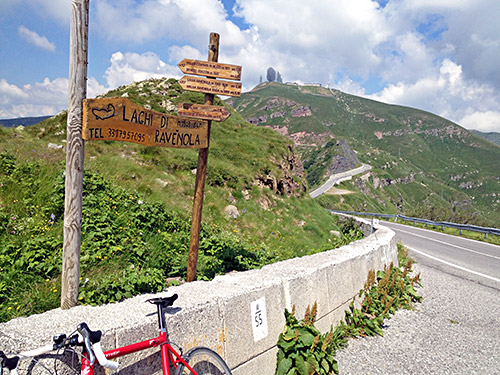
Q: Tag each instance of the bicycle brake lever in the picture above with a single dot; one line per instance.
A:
(84, 330)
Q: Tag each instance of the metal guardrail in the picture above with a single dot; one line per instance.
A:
(442, 224)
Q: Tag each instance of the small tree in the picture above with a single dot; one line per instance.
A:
(271, 74)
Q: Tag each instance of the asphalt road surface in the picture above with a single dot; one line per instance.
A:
(455, 330)
(472, 260)
(338, 177)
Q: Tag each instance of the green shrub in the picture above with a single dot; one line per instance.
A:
(303, 350)
(129, 245)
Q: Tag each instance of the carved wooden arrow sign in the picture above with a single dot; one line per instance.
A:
(210, 86)
(210, 69)
(205, 112)
(118, 119)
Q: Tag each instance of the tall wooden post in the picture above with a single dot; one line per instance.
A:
(201, 172)
(74, 153)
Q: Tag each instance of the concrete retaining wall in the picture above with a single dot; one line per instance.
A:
(240, 315)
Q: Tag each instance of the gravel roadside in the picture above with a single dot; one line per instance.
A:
(455, 330)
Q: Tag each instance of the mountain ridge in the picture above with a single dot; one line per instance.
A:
(424, 165)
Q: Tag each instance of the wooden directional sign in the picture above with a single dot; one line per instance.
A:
(210, 86)
(118, 119)
(205, 112)
(210, 69)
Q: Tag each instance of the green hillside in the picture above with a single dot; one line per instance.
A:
(423, 165)
(491, 136)
(137, 204)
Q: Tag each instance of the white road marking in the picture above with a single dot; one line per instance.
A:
(455, 265)
(449, 244)
(444, 234)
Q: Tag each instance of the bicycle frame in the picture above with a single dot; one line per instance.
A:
(92, 350)
(168, 354)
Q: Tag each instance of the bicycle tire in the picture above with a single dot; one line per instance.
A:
(204, 361)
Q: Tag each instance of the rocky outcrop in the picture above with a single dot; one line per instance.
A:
(345, 159)
(302, 112)
(291, 181)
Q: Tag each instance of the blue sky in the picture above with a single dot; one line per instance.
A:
(438, 55)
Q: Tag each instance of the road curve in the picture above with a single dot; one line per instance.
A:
(337, 178)
(455, 330)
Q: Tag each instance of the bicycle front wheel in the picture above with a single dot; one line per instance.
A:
(203, 361)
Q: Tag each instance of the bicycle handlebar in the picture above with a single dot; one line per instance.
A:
(10, 363)
(103, 361)
(90, 340)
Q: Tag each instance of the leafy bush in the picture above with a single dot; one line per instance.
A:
(303, 350)
(129, 246)
(384, 293)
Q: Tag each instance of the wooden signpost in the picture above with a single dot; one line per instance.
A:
(210, 86)
(207, 112)
(210, 69)
(70, 272)
(118, 119)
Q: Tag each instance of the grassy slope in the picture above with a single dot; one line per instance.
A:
(444, 159)
(492, 137)
(238, 153)
(122, 174)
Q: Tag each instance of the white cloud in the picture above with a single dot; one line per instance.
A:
(178, 20)
(306, 41)
(10, 93)
(128, 67)
(57, 9)
(437, 55)
(39, 99)
(446, 93)
(177, 53)
(348, 85)
(36, 39)
(488, 121)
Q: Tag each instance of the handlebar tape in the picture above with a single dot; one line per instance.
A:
(10, 363)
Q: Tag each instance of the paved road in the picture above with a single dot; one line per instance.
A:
(337, 178)
(472, 260)
(455, 330)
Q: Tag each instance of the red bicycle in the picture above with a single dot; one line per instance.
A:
(197, 361)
